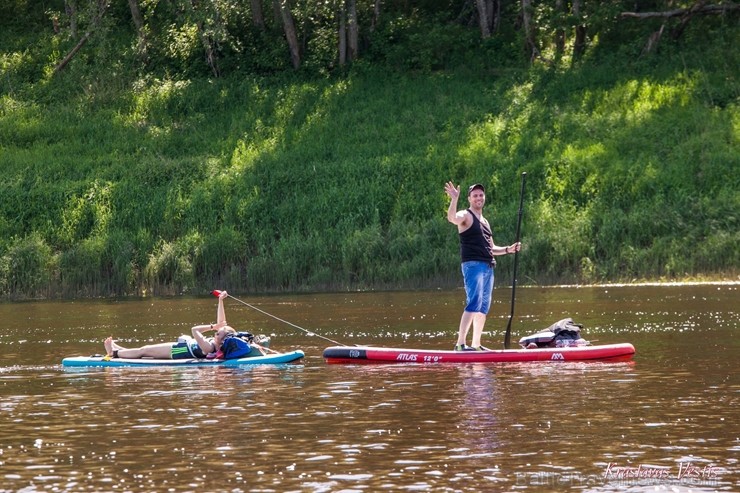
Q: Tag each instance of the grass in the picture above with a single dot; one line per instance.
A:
(165, 186)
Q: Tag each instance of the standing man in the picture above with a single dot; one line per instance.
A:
(476, 251)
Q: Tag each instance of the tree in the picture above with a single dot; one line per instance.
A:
(290, 32)
(342, 31)
(348, 31)
(99, 9)
(698, 8)
(205, 32)
(139, 25)
(564, 11)
(70, 7)
(258, 17)
(353, 31)
(579, 43)
(684, 14)
(489, 16)
(376, 14)
(560, 36)
(530, 41)
(485, 8)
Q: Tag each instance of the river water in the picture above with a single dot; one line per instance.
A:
(666, 421)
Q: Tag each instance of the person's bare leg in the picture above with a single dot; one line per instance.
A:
(158, 351)
(479, 322)
(465, 320)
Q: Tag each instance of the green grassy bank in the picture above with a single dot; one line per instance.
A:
(122, 184)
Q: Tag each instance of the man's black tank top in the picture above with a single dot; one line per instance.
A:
(476, 242)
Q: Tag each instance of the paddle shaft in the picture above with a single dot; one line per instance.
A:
(216, 293)
(507, 337)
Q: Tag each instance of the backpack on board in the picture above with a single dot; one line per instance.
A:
(563, 333)
(242, 344)
(235, 346)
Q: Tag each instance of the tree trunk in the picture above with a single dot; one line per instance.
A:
(495, 15)
(290, 33)
(102, 6)
(72, 53)
(376, 15)
(530, 42)
(353, 31)
(208, 43)
(139, 24)
(258, 17)
(653, 40)
(678, 30)
(483, 17)
(276, 12)
(721, 9)
(136, 15)
(342, 34)
(489, 11)
(210, 51)
(579, 43)
(686, 15)
(70, 7)
(560, 31)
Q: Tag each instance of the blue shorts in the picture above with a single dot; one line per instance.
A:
(478, 278)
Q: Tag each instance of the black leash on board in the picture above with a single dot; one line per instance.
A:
(216, 292)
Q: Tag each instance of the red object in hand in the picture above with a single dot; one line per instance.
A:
(216, 293)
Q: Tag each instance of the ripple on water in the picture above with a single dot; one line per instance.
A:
(444, 428)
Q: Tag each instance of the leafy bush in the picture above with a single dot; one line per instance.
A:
(27, 268)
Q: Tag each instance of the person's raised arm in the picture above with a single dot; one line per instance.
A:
(453, 215)
(220, 313)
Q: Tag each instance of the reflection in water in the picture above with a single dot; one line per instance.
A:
(316, 427)
(479, 410)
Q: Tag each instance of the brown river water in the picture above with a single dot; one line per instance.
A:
(666, 421)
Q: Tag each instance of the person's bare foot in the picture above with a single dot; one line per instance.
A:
(108, 343)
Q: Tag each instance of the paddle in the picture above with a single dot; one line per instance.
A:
(507, 337)
(216, 293)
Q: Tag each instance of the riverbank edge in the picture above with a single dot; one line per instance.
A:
(616, 284)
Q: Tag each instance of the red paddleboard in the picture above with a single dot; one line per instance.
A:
(368, 354)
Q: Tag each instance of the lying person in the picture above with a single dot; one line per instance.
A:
(197, 346)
